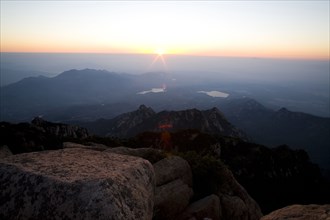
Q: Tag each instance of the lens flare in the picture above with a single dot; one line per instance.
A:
(159, 57)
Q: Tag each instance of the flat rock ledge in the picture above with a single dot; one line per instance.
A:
(76, 184)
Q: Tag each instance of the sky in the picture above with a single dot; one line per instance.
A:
(276, 29)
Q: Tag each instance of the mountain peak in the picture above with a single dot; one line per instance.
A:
(146, 109)
(143, 107)
(283, 110)
(215, 109)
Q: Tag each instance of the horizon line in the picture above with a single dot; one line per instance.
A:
(174, 54)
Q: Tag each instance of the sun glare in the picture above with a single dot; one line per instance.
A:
(160, 52)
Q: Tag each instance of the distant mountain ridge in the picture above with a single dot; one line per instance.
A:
(273, 128)
(32, 96)
(88, 95)
(145, 119)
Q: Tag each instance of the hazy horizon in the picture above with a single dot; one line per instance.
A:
(236, 68)
(299, 85)
(284, 29)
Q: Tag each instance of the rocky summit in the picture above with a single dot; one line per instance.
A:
(81, 182)
(76, 184)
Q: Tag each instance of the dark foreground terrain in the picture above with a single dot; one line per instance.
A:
(273, 177)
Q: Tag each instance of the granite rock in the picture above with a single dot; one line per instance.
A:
(76, 184)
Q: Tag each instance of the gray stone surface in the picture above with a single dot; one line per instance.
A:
(76, 184)
(172, 168)
(206, 208)
(171, 199)
(300, 212)
(235, 202)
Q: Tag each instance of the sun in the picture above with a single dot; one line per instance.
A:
(159, 58)
(160, 51)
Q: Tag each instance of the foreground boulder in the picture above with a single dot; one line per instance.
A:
(173, 187)
(171, 199)
(76, 184)
(206, 208)
(300, 212)
(236, 203)
(172, 168)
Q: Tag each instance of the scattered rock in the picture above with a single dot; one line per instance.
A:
(76, 184)
(172, 168)
(206, 208)
(150, 154)
(300, 212)
(5, 151)
(171, 199)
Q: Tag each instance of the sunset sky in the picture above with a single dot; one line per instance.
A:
(281, 29)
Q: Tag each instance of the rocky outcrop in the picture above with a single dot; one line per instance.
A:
(206, 208)
(236, 203)
(76, 184)
(60, 130)
(171, 199)
(81, 182)
(173, 192)
(300, 212)
(173, 187)
(172, 168)
(5, 152)
(173, 181)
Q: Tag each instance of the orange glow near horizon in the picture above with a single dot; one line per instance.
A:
(263, 29)
(44, 46)
(275, 53)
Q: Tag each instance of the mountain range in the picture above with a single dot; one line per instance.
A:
(100, 97)
(146, 119)
(273, 128)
